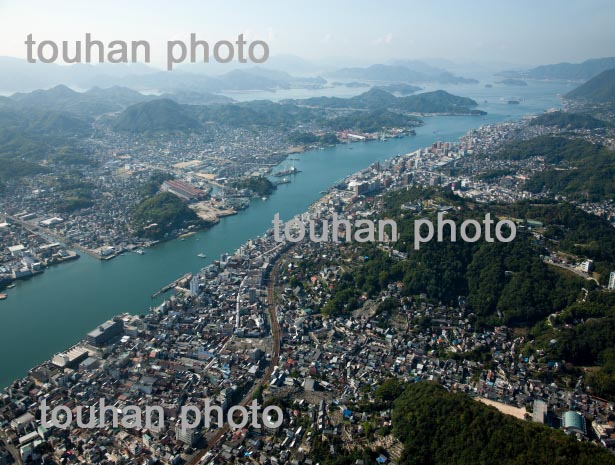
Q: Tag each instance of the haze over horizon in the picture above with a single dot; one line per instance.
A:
(346, 33)
(296, 233)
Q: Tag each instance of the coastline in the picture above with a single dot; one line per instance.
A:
(133, 279)
(186, 277)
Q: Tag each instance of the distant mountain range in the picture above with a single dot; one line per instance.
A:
(29, 134)
(163, 114)
(97, 101)
(266, 79)
(566, 71)
(288, 63)
(401, 71)
(167, 115)
(599, 89)
(194, 97)
(19, 76)
(21, 122)
(91, 103)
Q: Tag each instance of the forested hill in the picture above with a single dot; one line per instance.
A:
(566, 120)
(599, 89)
(505, 283)
(157, 115)
(163, 213)
(575, 168)
(438, 101)
(442, 428)
(569, 71)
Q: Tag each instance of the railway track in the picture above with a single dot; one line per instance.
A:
(275, 358)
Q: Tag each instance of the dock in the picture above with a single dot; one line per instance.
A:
(172, 285)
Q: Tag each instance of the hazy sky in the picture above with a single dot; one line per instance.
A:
(520, 31)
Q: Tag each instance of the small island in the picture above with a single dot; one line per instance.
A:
(400, 88)
(513, 82)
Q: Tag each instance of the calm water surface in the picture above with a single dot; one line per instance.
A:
(50, 312)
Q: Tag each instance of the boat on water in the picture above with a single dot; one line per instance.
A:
(291, 170)
(10, 286)
(202, 255)
(140, 251)
(3, 296)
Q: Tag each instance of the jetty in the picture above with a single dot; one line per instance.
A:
(172, 285)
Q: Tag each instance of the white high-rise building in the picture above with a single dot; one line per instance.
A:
(186, 435)
(587, 266)
(612, 280)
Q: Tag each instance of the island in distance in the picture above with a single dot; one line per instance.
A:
(458, 353)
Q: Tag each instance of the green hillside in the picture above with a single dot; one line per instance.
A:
(571, 71)
(438, 101)
(504, 283)
(438, 427)
(157, 115)
(578, 169)
(373, 121)
(259, 185)
(565, 120)
(162, 214)
(599, 89)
